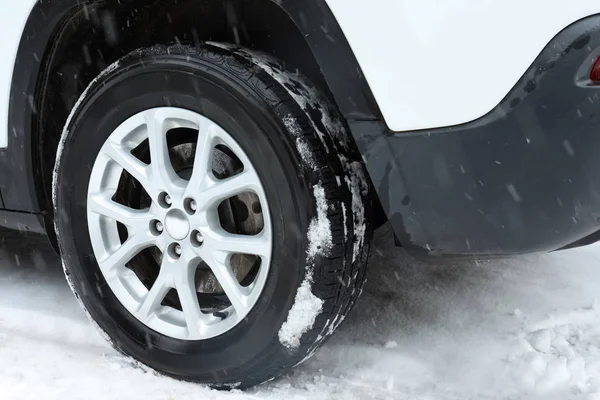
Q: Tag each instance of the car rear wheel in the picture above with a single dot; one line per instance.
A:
(212, 213)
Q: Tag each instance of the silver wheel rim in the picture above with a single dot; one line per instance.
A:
(182, 222)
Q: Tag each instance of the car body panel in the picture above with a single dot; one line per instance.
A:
(12, 19)
(436, 63)
(18, 185)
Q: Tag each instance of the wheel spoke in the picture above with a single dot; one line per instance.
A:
(132, 246)
(221, 190)
(203, 158)
(159, 150)
(186, 290)
(219, 264)
(259, 245)
(130, 217)
(132, 165)
(156, 294)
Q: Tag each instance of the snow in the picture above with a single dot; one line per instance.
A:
(540, 340)
(319, 231)
(392, 344)
(294, 128)
(292, 125)
(345, 220)
(305, 153)
(302, 315)
(307, 306)
(442, 330)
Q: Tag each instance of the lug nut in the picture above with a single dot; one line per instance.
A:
(190, 206)
(174, 250)
(196, 238)
(164, 200)
(156, 227)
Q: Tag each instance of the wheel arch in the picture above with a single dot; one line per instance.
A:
(42, 94)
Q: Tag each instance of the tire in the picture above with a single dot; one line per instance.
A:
(312, 175)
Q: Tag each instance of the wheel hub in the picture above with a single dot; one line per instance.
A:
(177, 224)
(180, 228)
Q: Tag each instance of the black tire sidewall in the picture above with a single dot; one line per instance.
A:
(198, 86)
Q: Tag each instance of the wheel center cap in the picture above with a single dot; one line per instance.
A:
(177, 224)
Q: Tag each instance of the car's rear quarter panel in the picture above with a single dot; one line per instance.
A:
(436, 63)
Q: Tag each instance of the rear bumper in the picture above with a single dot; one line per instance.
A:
(524, 178)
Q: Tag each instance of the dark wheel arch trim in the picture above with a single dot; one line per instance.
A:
(20, 181)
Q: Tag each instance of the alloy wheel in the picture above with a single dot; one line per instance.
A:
(182, 227)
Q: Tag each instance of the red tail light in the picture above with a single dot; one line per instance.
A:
(595, 74)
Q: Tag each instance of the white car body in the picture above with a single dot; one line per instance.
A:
(419, 55)
(13, 19)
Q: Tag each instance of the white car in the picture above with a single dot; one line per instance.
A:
(212, 171)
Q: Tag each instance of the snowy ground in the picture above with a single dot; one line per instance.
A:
(526, 328)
